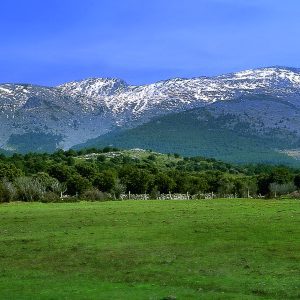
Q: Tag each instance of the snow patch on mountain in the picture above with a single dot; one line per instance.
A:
(118, 97)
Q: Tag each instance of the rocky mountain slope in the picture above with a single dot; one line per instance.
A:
(44, 118)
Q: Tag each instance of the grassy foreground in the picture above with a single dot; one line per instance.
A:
(221, 249)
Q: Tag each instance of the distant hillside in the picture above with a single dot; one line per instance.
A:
(209, 133)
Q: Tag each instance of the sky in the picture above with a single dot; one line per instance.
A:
(50, 42)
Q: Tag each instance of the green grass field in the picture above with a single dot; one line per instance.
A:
(220, 249)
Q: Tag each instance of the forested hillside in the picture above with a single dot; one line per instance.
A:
(201, 132)
(107, 173)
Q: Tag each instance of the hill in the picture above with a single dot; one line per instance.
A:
(211, 132)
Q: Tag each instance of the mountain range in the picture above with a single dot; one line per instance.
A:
(248, 116)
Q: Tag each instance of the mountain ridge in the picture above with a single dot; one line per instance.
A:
(78, 111)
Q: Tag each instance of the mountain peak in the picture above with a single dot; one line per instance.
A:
(93, 87)
(93, 80)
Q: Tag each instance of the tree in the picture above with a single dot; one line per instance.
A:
(245, 187)
(77, 184)
(70, 153)
(196, 185)
(151, 157)
(226, 186)
(9, 171)
(61, 172)
(297, 181)
(281, 175)
(101, 158)
(164, 183)
(105, 181)
(87, 170)
(263, 184)
(136, 180)
(214, 180)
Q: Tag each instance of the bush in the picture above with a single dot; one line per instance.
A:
(50, 197)
(154, 193)
(7, 191)
(95, 195)
(118, 190)
(282, 189)
(29, 189)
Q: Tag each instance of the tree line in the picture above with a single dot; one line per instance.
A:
(103, 174)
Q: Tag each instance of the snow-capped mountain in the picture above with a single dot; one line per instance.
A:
(77, 111)
(117, 96)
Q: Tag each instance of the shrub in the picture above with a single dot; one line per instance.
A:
(29, 189)
(154, 193)
(282, 189)
(95, 195)
(294, 195)
(50, 197)
(118, 190)
(7, 191)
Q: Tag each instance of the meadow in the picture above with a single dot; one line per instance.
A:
(204, 249)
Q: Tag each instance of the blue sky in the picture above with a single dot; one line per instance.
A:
(50, 41)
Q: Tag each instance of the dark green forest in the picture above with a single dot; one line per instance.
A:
(103, 174)
(199, 132)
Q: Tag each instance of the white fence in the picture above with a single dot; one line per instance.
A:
(169, 196)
